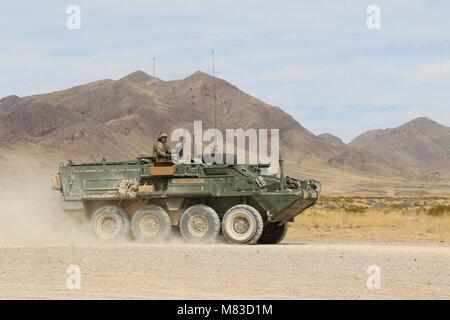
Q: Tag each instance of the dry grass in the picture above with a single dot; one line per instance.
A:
(375, 219)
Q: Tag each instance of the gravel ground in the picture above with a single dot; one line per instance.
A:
(179, 271)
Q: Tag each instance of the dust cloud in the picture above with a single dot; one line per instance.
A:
(30, 214)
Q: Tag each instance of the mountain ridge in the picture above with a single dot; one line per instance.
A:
(419, 142)
(119, 119)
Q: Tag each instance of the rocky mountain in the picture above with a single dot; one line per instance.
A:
(364, 160)
(421, 142)
(119, 119)
(331, 139)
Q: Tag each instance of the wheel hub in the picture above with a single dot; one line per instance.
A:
(149, 225)
(109, 225)
(241, 225)
(198, 225)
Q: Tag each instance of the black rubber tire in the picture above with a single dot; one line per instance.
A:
(118, 217)
(273, 234)
(211, 219)
(252, 216)
(159, 219)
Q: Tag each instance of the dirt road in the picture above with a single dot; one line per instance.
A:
(178, 271)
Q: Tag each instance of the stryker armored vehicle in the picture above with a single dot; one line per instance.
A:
(152, 199)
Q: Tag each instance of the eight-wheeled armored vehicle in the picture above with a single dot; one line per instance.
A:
(151, 199)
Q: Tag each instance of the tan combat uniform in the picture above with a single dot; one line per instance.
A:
(161, 151)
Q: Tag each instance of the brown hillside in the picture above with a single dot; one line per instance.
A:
(420, 142)
(119, 119)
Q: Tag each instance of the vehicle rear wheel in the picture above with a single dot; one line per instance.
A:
(242, 224)
(151, 223)
(199, 223)
(273, 234)
(110, 222)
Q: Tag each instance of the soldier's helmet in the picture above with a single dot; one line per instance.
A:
(162, 135)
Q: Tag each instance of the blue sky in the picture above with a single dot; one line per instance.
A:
(315, 59)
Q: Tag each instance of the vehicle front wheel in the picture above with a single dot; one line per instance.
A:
(150, 224)
(273, 234)
(242, 224)
(199, 223)
(110, 222)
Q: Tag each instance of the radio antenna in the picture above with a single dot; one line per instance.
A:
(154, 66)
(214, 90)
(215, 102)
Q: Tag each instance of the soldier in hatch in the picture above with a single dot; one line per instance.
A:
(160, 149)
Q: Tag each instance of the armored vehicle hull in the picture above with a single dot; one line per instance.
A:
(149, 199)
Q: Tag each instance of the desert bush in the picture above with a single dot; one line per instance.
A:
(355, 208)
(438, 209)
(396, 206)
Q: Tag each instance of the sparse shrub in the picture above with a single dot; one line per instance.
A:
(397, 206)
(418, 203)
(438, 209)
(421, 210)
(355, 208)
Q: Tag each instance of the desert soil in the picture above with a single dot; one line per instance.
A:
(221, 271)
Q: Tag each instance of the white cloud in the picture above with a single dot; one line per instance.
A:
(432, 73)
